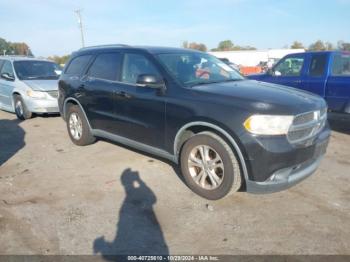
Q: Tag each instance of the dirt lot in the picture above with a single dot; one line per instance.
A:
(57, 198)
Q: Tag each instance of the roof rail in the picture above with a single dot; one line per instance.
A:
(102, 46)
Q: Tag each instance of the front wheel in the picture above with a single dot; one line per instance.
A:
(209, 166)
(21, 110)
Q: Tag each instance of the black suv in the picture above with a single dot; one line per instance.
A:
(190, 107)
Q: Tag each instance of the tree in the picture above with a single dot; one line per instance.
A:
(14, 48)
(343, 46)
(194, 45)
(225, 45)
(297, 45)
(61, 60)
(317, 46)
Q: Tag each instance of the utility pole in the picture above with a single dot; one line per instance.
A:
(78, 12)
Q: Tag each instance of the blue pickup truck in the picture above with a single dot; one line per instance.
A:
(324, 73)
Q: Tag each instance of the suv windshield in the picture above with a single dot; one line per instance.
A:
(28, 70)
(198, 68)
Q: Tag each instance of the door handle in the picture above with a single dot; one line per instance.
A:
(123, 94)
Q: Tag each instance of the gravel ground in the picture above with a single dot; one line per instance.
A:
(57, 198)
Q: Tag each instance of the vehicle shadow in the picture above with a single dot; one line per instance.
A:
(11, 139)
(138, 230)
(339, 122)
(175, 167)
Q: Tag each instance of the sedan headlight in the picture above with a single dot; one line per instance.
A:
(268, 124)
(36, 94)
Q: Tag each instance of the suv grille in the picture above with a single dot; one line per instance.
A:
(53, 93)
(307, 125)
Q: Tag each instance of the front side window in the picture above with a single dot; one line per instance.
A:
(77, 65)
(290, 66)
(198, 68)
(341, 65)
(106, 66)
(27, 70)
(7, 69)
(318, 65)
(135, 65)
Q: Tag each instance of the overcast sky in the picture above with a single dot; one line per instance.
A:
(50, 26)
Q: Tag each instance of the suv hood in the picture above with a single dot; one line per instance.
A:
(42, 85)
(265, 97)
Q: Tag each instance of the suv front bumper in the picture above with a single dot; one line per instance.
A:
(273, 174)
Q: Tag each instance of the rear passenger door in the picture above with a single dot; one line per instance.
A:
(99, 86)
(338, 84)
(315, 80)
(140, 110)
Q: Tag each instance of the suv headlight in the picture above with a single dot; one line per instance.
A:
(268, 124)
(36, 94)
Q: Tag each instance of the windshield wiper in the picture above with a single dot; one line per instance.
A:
(213, 82)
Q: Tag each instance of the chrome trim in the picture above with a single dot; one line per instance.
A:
(316, 124)
(220, 130)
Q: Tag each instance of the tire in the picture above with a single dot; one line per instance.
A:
(78, 127)
(226, 168)
(21, 109)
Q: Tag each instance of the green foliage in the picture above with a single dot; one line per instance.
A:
(61, 60)
(297, 45)
(227, 45)
(344, 46)
(321, 46)
(194, 45)
(14, 48)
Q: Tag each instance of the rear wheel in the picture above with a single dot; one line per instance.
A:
(78, 127)
(21, 110)
(209, 166)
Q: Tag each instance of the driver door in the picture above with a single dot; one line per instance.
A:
(289, 71)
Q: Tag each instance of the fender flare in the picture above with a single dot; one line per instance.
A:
(81, 107)
(220, 131)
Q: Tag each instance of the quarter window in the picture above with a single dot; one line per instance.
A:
(135, 65)
(318, 65)
(290, 66)
(7, 69)
(106, 66)
(341, 65)
(77, 65)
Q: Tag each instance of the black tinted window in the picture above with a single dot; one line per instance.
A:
(318, 65)
(36, 70)
(106, 66)
(77, 65)
(135, 65)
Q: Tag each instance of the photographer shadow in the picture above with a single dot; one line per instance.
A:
(138, 229)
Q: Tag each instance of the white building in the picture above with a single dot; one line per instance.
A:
(254, 57)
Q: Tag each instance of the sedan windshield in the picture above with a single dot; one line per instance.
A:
(28, 70)
(198, 68)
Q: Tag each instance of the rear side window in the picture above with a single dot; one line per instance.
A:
(106, 66)
(341, 65)
(77, 65)
(318, 65)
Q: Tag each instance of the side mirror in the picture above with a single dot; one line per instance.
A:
(150, 81)
(277, 73)
(7, 77)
